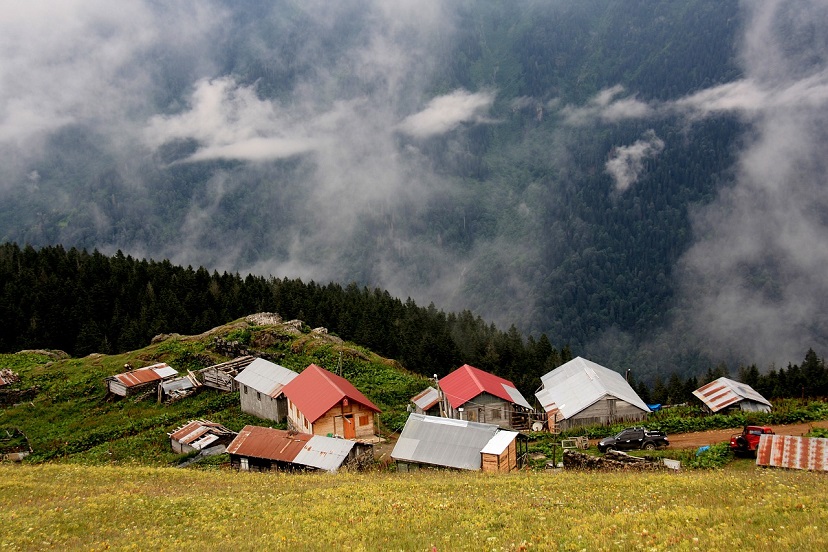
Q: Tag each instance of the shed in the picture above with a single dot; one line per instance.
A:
(582, 392)
(222, 376)
(323, 403)
(471, 394)
(261, 387)
(431, 441)
(197, 435)
(263, 448)
(726, 394)
(427, 402)
(140, 380)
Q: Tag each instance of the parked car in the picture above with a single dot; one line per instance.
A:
(634, 438)
(746, 442)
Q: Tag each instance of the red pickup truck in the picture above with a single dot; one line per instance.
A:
(746, 442)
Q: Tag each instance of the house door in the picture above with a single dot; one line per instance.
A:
(348, 426)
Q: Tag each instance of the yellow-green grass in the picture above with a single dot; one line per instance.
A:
(59, 506)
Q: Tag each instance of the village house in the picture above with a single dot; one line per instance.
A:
(198, 435)
(469, 393)
(435, 442)
(582, 392)
(723, 394)
(323, 403)
(141, 380)
(261, 387)
(263, 449)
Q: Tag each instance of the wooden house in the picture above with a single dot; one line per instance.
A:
(469, 393)
(323, 403)
(582, 392)
(261, 387)
(263, 449)
(723, 394)
(198, 435)
(500, 455)
(141, 380)
(223, 376)
(427, 402)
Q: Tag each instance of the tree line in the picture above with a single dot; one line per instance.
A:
(82, 303)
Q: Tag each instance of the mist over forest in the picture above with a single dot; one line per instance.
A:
(641, 181)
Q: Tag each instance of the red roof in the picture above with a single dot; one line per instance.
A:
(467, 382)
(315, 391)
(272, 444)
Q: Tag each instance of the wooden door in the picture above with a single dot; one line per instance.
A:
(348, 427)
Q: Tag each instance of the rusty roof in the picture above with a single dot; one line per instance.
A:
(788, 451)
(268, 443)
(723, 392)
(316, 390)
(196, 428)
(427, 398)
(145, 375)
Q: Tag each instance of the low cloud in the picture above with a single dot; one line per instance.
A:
(445, 113)
(627, 162)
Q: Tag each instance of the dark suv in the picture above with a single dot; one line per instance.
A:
(634, 438)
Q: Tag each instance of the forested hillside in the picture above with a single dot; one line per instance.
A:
(633, 179)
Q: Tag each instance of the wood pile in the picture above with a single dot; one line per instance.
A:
(613, 460)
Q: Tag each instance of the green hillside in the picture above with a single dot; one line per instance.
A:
(68, 417)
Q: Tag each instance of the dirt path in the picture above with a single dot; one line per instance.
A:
(701, 438)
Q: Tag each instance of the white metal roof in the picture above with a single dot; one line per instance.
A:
(427, 398)
(500, 442)
(723, 392)
(164, 371)
(443, 442)
(324, 453)
(580, 383)
(266, 377)
(517, 398)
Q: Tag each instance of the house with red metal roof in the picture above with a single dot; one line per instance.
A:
(323, 403)
(471, 394)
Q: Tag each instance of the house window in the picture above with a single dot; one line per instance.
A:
(496, 414)
(364, 420)
(245, 390)
(258, 395)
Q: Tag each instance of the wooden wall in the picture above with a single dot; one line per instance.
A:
(502, 463)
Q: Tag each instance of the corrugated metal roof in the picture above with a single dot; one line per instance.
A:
(146, 375)
(426, 399)
(500, 442)
(443, 442)
(580, 383)
(268, 443)
(302, 449)
(177, 384)
(467, 382)
(315, 391)
(199, 431)
(723, 392)
(324, 453)
(788, 451)
(266, 377)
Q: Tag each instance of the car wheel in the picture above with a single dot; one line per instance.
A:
(609, 449)
(649, 446)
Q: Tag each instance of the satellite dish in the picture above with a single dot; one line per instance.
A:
(537, 426)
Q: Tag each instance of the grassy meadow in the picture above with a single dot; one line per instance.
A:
(68, 506)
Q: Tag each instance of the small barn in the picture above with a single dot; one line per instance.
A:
(582, 392)
(263, 449)
(223, 376)
(197, 435)
(427, 402)
(261, 387)
(435, 442)
(723, 394)
(469, 393)
(141, 380)
(323, 403)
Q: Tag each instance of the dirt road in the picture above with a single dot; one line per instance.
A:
(701, 438)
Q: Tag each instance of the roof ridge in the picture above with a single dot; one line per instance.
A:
(474, 377)
(325, 374)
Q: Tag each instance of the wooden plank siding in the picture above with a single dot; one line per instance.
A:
(607, 410)
(333, 422)
(501, 463)
(484, 408)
